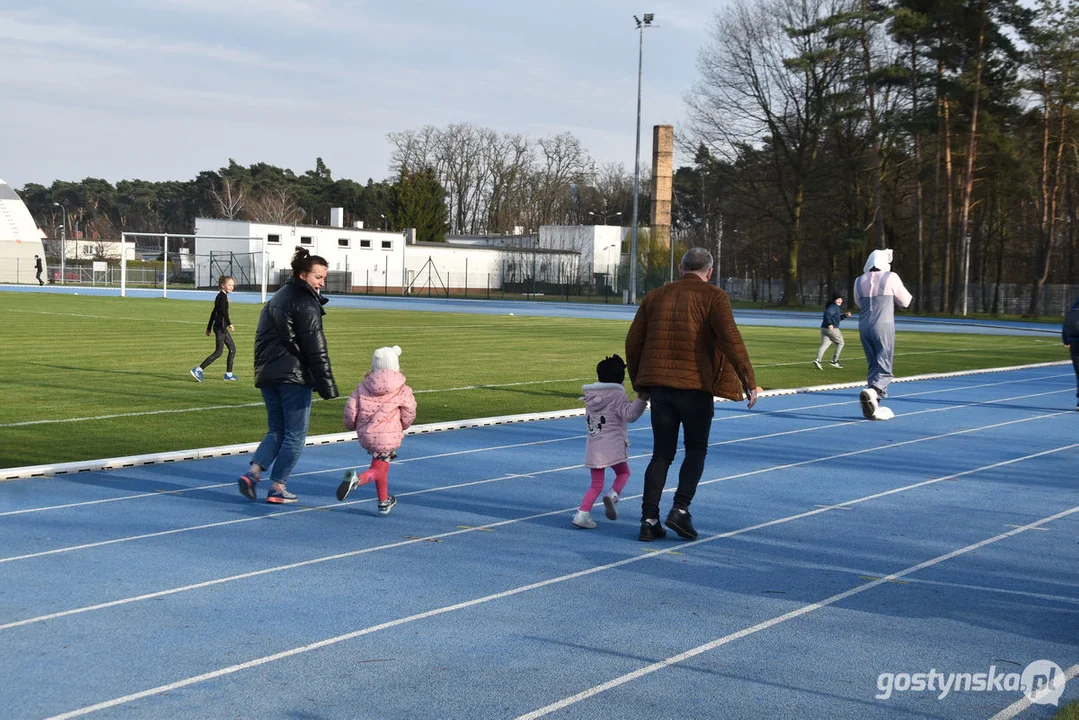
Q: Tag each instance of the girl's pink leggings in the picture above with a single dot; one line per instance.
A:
(621, 477)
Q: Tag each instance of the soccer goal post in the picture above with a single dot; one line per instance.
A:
(198, 260)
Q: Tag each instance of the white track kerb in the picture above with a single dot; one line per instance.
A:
(30, 471)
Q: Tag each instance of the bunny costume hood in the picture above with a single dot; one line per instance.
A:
(879, 259)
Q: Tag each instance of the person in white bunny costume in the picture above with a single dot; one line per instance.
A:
(878, 292)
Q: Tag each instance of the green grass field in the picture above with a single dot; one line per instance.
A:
(95, 377)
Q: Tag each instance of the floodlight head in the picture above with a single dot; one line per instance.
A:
(638, 20)
(648, 17)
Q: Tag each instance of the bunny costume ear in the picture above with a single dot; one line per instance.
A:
(879, 259)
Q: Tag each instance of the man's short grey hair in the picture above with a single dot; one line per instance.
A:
(696, 260)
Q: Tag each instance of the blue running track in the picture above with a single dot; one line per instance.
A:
(837, 556)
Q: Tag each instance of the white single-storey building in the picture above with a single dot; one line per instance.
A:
(372, 254)
(362, 260)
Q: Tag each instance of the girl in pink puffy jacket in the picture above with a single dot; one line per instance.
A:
(380, 409)
(608, 411)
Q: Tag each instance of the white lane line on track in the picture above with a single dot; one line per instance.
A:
(205, 408)
(772, 622)
(221, 672)
(750, 473)
(1025, 702)
(579, 437)
(332, 506)
(859, 360)
(427, 538)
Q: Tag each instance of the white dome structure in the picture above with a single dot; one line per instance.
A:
(20, 238)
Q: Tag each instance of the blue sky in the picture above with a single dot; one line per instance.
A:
(161, 89)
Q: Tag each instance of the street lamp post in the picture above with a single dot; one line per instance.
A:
(608, 251)
(641, 25)
(385, 222)
(605, 217)
(63, 241)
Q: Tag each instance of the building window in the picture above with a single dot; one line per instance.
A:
(387, 244)
(306, 241)
(365, 244)
(273, 239)
(343, 242)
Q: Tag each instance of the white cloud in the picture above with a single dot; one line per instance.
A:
(79, 38)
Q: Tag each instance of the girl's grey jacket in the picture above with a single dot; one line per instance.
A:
(608, 411)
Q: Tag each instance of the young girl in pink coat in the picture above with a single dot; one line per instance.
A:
(608, 411)
(380, 409)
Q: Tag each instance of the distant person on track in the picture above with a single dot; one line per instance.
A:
(221, 326)
(830, 333)
(682, 348)
(1070, 335)
(608, 412)
(291, 361)
(380, 409)
(878, 292)
(39, 268)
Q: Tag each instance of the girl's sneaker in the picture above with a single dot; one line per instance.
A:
(610, 500)
(196, 372)
(231, 377)
(280, 497)
(583, 519)
(347, 485)
(384, 506)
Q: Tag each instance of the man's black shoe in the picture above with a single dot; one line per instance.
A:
(651, 531)
(680, 521)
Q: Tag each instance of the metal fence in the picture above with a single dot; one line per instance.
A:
(433, 281)
(1002, 299)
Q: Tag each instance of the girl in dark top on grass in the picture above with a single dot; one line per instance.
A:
(220, 325)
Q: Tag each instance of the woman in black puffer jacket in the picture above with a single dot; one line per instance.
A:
(291, 360)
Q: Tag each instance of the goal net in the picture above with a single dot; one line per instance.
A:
(161, 261)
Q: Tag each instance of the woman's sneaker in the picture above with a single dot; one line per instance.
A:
(280, 497)
(835, 364)
(247, 483)
(610, 500)
(231, 377)
(347, 485)
(384, 506)
(196, 372)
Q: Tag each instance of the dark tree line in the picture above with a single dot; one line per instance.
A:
(822, 129)
(260, 192)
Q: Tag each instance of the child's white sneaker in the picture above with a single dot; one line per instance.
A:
(583, 519)
(610, 500)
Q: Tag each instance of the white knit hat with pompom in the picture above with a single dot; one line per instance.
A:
(385, 358)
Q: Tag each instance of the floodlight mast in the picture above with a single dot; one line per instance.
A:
(641, 25)
(63, 243)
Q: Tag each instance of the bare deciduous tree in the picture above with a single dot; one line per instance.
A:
(274, 206)
(764, 94)
(230, 199)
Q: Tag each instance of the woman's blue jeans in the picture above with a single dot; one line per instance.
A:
(288, 410)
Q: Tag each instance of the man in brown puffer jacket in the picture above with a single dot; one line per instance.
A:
(682, 349)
